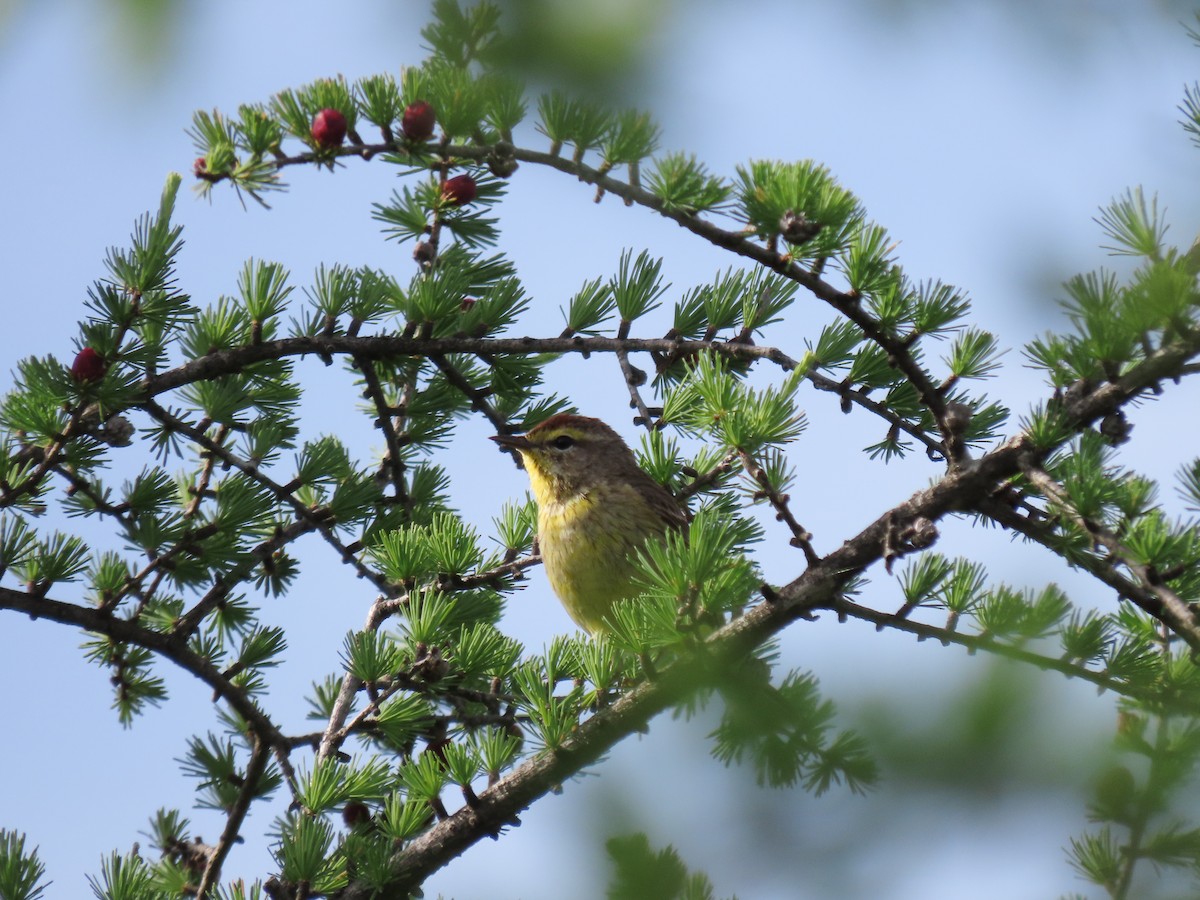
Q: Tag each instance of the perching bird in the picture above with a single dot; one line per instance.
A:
(596, 508)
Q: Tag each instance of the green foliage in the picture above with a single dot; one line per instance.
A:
(378, 99)
(441, 701)
(420, 552)
(124, 878)
(21, 873)
(631, 137)
(641, 872)
(659, 456)
(1137, 813)
(591, 305)
(685, 186)
(135, 687)
(462, 36)
(330, 784)
(568, 120)
(305, 854)
(213, 762)
(1135, 228)
(552, 717)
(370, 656)
(1121, 325)
(403, 819)
(768, 190)
(637, 286)
(516, 526)
(784, 733)
(704, 574)
(712, 400)
(870, 271)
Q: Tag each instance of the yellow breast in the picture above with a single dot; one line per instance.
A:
(588, 546)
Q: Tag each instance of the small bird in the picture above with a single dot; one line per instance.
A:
(596, 508)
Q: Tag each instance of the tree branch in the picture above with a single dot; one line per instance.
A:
(1146, 592)
(977, 642)
(478, 398)
(170, 646)
(237, 815)
(898, 349)
(779, 502)
(818, 587)
(317, 521)
(385, 422)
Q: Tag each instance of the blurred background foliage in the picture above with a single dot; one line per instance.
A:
(977, 743)
(609, 47)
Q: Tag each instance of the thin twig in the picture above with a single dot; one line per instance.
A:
(634, 379)
(858, 398)
(48, 459)
(477, 396)
(237, 815)
(385, 421)
(170, 646)
(704, 480)
(495, 577)
(1152, 595)
(258, 556)
(351, 685)
(779, 502)
(206, 471)
(986, 643)
(319, 520)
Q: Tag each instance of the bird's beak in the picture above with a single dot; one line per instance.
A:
(516, 442)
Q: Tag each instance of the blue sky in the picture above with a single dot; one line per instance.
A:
(984, 139)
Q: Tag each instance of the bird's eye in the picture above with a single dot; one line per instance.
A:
(563, 442)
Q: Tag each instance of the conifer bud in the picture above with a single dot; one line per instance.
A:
(424, 253)
(958, 417)
(329, 128)
(797, 228)
(459, 190)
(88, 366)
(356, 813)
(1115, 428)
(417, 122)
(502, 161)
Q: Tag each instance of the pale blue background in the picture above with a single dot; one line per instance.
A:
(984, 136)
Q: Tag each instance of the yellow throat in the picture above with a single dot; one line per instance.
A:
(596, 508)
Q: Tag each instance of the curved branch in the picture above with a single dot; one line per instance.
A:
(1170, 607)
(476, 396)
(780, 503)
(820, 586)
(741, 243)
(979, 642)
(364, 349)
(848, 304)
(391, 346)
(386, 421)
(1157, 600)
(169, 646)
(315, 519)
(237, 815)
(858, 398)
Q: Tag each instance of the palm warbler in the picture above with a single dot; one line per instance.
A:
(596, 507)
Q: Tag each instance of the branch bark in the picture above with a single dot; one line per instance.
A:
(963, 488)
